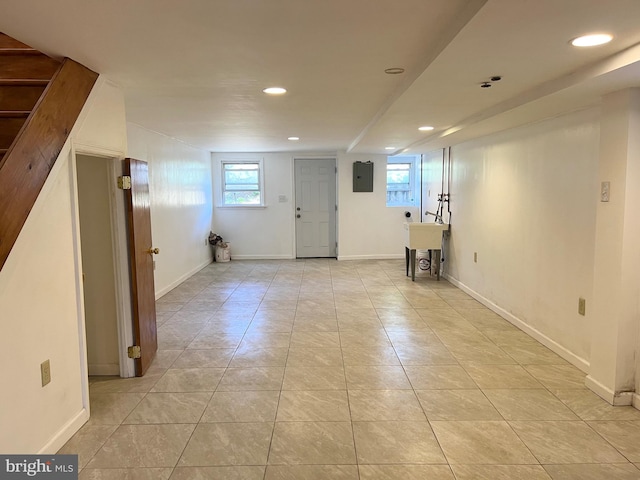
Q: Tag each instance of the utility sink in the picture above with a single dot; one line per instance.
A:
(424, 236)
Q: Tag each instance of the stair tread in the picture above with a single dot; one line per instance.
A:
(40, 67)
(14, 113)
(23, 81)
(9, 42)
(20, 51)
(20, 98)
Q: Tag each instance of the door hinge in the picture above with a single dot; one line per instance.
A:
(124, 182)
(133, 351)
(336, 208)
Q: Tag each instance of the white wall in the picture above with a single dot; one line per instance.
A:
(101, 317)
(181, 203)
(258, 232)
(636, 397)
(367, 228)
(40, 298)
(433, 185)
(616, 309)
(525, 201)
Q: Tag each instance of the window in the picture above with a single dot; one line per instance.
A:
(242, 183)
(401, 181)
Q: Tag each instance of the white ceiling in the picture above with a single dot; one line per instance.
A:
(195, 69)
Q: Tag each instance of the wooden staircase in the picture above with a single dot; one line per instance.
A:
(40, 101)
(24, 74)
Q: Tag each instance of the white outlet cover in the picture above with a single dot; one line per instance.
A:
(282, 198)
(605, 190)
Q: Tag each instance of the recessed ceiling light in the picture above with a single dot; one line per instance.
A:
(293, 139)
(394, 71)
(389, 148)
(275, 90)
(426, 128)
(591, 40)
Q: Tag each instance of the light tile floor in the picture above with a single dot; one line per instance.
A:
(318, 369)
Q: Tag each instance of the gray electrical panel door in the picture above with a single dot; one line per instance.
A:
(363, 176)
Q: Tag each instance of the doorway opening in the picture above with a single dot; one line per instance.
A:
(103, 246)
(316, 207)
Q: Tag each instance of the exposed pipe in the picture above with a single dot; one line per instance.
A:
(442, 178)
(421, 185)
(449, 186)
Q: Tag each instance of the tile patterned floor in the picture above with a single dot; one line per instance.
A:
(318, 369)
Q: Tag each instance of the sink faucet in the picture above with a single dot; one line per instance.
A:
(438, 217)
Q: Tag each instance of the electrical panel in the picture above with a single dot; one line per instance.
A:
(363, 176)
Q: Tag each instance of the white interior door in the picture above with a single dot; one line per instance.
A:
(315, 180)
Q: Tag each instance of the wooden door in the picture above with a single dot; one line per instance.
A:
(141, 261)
(315, 181)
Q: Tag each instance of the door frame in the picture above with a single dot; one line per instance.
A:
(293, 202)
(118, 217)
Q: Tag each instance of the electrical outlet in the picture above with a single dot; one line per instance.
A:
(605, 190)
(582, 305)
(45, 372)
(475, 257)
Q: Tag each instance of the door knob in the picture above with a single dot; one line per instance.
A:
(298, 216)
(152, 251)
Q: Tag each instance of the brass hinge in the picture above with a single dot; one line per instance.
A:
(133, 351)
(124, 182)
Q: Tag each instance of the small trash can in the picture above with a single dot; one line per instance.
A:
(423, 259)
(223, 253)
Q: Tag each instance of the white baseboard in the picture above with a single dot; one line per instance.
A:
(261, 257)
(340, 257)
(623, 398)
(635, 401)
(101, 369)
(620, 398)
(552, 345)
(599, 389)
(178, 281)
(393, 256)
(65, 433)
